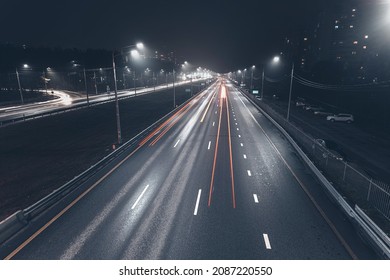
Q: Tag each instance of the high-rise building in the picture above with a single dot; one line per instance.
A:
(344, 35)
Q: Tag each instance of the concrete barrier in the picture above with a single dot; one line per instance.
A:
(12, 225)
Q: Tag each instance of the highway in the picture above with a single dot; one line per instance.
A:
(67, 100)
(215, 181)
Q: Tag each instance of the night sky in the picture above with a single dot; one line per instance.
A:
(220, 35)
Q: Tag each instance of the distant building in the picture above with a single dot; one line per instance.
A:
(344, 36)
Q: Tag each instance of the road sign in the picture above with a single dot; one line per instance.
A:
(255, 91)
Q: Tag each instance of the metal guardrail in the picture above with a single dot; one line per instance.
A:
(21, 218)
(372, 233)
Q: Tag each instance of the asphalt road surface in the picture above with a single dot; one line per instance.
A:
(215, 181)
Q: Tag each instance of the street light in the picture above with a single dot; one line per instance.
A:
(276, 60)
(135, 54)
(252, 68)
(20, 88)
(118, 121)
(289, 95)
(86, 88)
(140, 46)
(25, 66)
(45, 79)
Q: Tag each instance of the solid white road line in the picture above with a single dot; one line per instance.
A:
(239, 136)
(266, 241)
(176, 143)
(208, 148)
(245, 156)
(238, 128)
(249, 173)
(138, 199)
(255, 198)
(213, 123)
(197, 202)
(242, 145)
(215, 112)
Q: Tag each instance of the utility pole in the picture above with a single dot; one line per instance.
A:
(154, 82)
(44, 80)
(289, 96)
(174, 93)
(86, 89)
(262, 83)
(135, 86)
(94, 77)
(252, 78)
(191, 85)
(20, 88)
(118, 120)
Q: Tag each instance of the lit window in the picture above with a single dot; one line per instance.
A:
(364, 47)
(353, 52)
(353, 10)
(305, 39)
(339, 57)
(336, 27)
(336, 21)
(351, 26)
(355, 42)
(365, 36)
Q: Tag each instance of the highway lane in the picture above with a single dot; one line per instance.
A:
(215, 181)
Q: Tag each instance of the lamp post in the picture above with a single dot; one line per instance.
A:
(276, 60)
(44, 80)
(252, 68)
(25, 66)
(174, 92)
(118, 121)
(86, 88)
(20, 88)
(289, 95)
(154, 81)
(134, 54)
(262, 83)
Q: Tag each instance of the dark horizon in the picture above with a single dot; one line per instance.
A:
(220, 36)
